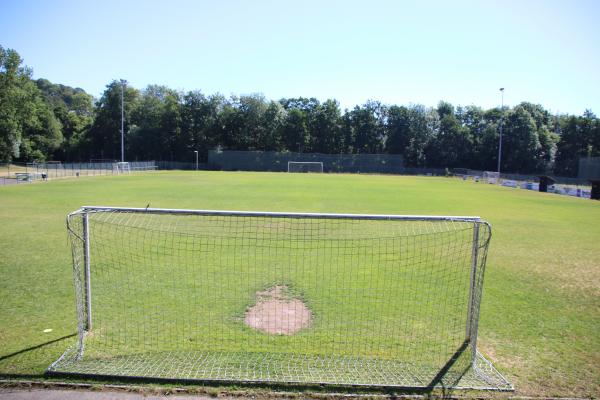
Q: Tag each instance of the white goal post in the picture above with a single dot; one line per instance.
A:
(305, 298)
(491, 177)
(121, 168)
(305, 166)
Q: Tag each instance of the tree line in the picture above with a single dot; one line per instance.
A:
(40, 121)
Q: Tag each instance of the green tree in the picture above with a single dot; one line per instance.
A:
(547, 153)
(303, 124)
(368, 127)
(452, 145)
(546, 128)
(444, 108)
(28, 129)
(295, 131)
(422, 130)
(170, 126)
(74, 109)
(398, 130)
(274, 123)
(326, 128)
(521, 147)
(241, 122)
(541, 116)
(43, 138)
(473, 120)
(157, 125)
(487, 148)
(594, 135)
(104, 135)
(200, 122)
(253, 133)
(577, 139)
(230, 126)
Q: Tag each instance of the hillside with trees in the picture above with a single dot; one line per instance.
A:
(40, 120)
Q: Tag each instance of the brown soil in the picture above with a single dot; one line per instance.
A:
(276, 313)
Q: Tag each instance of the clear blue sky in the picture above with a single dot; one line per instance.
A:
(545, 52)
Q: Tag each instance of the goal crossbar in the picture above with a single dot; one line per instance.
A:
(278, 297)
(272, 214)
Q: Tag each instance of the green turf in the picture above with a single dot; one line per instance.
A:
(540, 315)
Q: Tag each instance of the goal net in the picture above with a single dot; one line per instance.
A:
(121, 168)
(305, 166)
(341, 299)
(491, 177)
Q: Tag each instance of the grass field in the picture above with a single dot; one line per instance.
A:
(540, 316)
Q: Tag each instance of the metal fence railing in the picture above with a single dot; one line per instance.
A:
(230, 160)
(18, 173)
(589, 168)
(183, 166)
(563, 180)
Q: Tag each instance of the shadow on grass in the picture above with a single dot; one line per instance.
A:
(32, 362)
(438, 380)
(441, 384)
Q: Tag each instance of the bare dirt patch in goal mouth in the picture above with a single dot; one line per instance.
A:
(277, 313)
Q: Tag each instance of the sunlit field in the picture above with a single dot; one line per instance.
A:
(540, 315)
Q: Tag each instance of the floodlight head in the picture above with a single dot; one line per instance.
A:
(502, 89)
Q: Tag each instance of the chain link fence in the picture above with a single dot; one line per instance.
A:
(278, 162)
(589, 168)
(19, 173)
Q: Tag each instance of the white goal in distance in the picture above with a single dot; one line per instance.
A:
(306, 298)
(491, 177)
(305, 166)
(121, 168)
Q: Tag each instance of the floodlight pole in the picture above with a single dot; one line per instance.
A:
(500, 140)
(196, 151)
(122, 122)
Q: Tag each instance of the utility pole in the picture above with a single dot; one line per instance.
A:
(122, 121)
(501, 123)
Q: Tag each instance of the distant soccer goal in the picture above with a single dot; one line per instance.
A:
(121, 168)
(200, 295)
(305, 166)
(491, 177)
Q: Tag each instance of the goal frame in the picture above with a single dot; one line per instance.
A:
(475, 275)
(307, 163)
(122, 167)
(491, 177)
(86, 210)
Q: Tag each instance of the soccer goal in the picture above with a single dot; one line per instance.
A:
(305, 166)
(491, 177)
(121, 168)
(378, 300)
